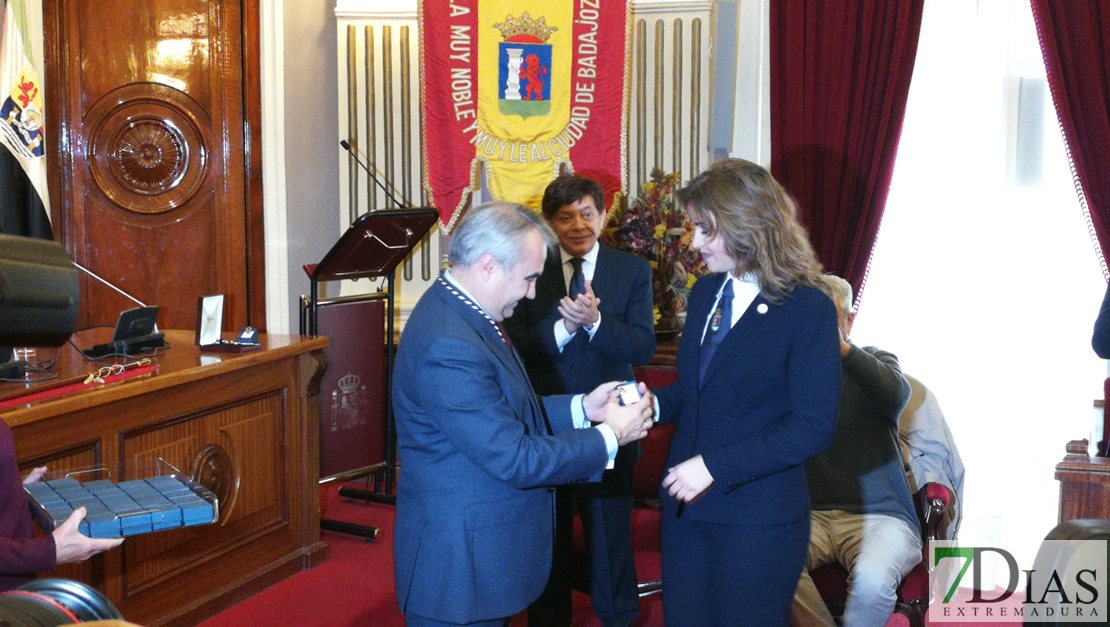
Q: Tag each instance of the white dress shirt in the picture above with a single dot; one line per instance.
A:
(589, 265)
(744, 290)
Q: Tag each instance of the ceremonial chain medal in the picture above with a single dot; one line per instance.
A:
(457, 293)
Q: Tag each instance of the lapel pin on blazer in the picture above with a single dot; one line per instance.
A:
(761, 308)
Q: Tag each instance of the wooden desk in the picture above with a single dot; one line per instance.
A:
(245, 425)
(1084, 484)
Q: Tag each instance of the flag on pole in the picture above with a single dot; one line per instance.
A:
(24, 199)
(521, 89)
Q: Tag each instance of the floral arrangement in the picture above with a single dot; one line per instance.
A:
(653, 226)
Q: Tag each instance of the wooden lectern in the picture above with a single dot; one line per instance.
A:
(356, 418)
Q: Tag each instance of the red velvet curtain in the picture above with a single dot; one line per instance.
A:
(840, 77)
(1075, 43)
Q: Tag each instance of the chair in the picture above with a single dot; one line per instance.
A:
(932, 503)
(647, 475)
(923, 433)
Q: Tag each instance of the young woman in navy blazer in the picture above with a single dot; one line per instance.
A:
(736, 505)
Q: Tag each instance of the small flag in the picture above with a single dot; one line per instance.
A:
(24, 199)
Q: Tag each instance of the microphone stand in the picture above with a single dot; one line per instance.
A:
(105, 282)
(354, 152)
(127, 346)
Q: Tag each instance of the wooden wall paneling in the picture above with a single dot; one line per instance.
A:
(244, 426)
(248, 437)
(251, 85)
(154, 124)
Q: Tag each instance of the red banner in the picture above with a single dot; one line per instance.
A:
(521, 89)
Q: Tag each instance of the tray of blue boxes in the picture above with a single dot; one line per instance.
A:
(128, 508)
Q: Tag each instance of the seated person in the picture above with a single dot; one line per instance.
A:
(862, 512)
(929, 451)
(21, 553)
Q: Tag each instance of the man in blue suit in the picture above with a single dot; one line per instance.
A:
(590, 322)
(479, 449)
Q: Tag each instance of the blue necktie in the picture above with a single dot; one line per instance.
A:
(719, 324)
(577, 279)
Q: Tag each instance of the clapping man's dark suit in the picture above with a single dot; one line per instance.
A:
(473, 534)
(618, 299)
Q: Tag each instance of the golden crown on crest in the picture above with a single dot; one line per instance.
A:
(525, 25)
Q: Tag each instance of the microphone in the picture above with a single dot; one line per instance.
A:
(136, 330)
(354, 152)
(105, 282)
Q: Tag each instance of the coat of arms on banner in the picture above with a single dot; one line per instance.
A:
(524, 66)
(348, 403)
(521, 90)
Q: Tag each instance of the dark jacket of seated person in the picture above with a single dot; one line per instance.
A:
(863, 515)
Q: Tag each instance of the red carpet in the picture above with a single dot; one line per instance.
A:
(355, 585)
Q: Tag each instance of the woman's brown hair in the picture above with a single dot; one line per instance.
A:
(757, 219)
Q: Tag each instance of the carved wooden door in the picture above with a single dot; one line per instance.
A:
(153, 128)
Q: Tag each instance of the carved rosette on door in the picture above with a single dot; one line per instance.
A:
(216, 469)
(147, 152)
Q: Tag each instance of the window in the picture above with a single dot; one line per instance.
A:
(984, 280)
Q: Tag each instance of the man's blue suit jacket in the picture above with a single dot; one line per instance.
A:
(625, 337)
(473, 536)
(767, 404)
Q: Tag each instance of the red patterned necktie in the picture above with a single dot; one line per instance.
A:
(504, 336)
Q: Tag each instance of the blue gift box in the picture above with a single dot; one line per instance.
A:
(125, 509)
